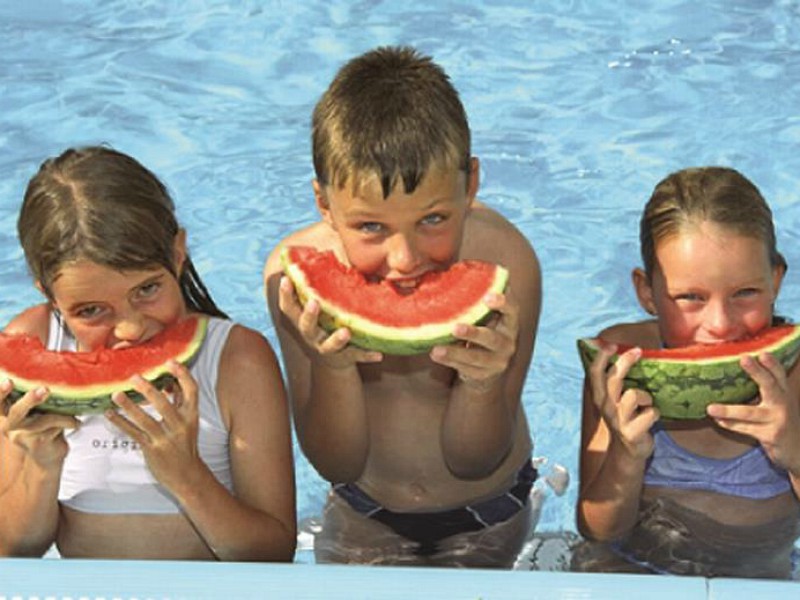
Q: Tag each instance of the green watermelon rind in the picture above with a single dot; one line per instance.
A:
(96, 399)
(401, 341)
(682, 389)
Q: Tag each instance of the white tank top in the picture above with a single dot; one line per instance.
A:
(105, 470)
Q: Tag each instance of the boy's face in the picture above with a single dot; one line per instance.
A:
(405, 235)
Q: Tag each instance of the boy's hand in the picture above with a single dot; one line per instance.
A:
(775, 420)
(487, 350)
(40, 435)
(629, 414)
(333, 349)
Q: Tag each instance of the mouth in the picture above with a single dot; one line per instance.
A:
(406, 284)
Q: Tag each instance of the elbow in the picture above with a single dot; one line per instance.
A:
(467, 465)
(337, 468)
(282, 546)
(284, 551)
(338, 473)
(23, 550)
(596, 530)
(471, 471)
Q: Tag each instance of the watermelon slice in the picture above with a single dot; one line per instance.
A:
(82, 382)
(683, 381)
(383, 318)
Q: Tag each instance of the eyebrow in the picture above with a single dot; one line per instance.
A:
(370, 214)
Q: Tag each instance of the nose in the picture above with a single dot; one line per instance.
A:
(719, 320)
(130, 327)
(403, 256)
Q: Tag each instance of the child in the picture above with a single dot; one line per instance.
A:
(209, 476)
(715, 497)
(429, 455)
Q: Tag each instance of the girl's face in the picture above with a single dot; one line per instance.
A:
(103, 307)
(402, 237)
(709, 285)
(106, 308)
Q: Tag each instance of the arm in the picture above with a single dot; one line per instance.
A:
(480, 422)
(615, 445)
(325, 386)
(32, 451)
(258, 521)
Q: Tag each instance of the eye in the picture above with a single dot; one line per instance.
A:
(148, 290)
(370, 227)
(88, 312)
(688, 297)
(433, 219)
(747, 292)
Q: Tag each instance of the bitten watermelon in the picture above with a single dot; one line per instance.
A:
(381, 317)
(683, 381)
(82, 382)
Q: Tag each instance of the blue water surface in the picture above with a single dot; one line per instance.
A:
(577, 109)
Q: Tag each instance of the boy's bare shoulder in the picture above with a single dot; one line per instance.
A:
(319, 235)
(490, 236)
(640, 333)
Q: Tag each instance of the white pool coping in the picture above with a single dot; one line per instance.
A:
(113, 579)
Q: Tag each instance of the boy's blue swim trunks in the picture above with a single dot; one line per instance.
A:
(428, 528)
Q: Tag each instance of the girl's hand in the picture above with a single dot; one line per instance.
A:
(774, 421)
(629, 414)
(39, 435)
(487, 350)
(168, 440)
(333, 349)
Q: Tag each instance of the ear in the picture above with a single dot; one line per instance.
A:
(644, 290)
(41, 289)
(321, 200)
(179, 251)
(474, 179)
(778, 272)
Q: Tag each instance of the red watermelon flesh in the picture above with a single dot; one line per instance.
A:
(82, 382)
(383, 317)
(763, 342)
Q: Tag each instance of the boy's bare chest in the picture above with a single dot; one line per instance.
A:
(401, 375)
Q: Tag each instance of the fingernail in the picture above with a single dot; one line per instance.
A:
(460, 329)
(41, 392)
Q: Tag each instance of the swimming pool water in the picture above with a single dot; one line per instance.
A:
(577, 109)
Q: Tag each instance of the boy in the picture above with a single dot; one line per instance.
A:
(429, 455)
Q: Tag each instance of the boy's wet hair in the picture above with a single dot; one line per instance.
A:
(719, 195)
(100, 205)
(391, 112)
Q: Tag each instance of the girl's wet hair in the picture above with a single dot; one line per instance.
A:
(101, 205)
(391, 112)
(717, 194)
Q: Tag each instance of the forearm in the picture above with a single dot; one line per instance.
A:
(332, 426)
(29, 511)
(233, 530)
(478, 428)
(608, 506)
